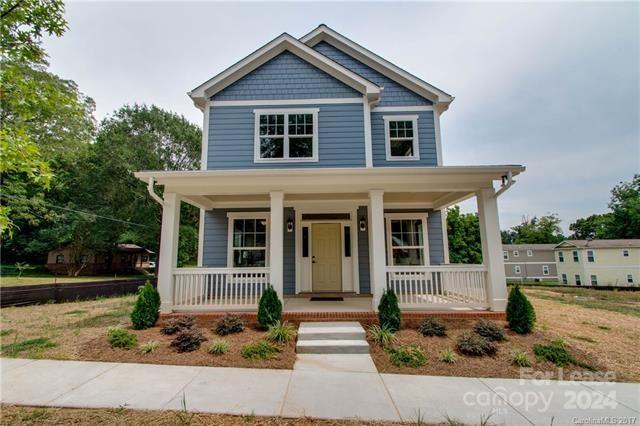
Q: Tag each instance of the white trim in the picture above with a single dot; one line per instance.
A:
(531, 263)
(545, 267)
(592, 266)
(286, 139)
(526, 278)
(368, 144)
(517, 269)
(438, 135)
(403, 108)
(277, 102)
(231, 216)
(387, 136)
(204, 149)
(529, 253)
(425, 235)
(516, 253)
(201, 238)
(445, 235)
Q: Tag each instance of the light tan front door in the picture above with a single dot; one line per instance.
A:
(327, 257)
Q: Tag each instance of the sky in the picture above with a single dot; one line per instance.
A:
(552, 86)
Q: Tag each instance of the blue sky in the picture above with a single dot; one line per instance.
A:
(553, 86)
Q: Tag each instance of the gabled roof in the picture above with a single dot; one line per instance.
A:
(600, 243)
(440, 98)
(285, 42)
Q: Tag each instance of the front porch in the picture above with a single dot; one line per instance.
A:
(349, 233)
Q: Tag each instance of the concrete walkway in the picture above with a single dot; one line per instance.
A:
(364, 395)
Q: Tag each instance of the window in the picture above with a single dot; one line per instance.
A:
(578, 282)
(560, 256)
(625, 253)
(516, 269)
(305, 241)
(505, 255)
(594, 280)
(545, 269)
(401, 137)
(248, 241)
(286, 135)
(590, 256)
(406, 240)
(60, 258)
(529, 253)
(347, 241)
(575, 256)
(565, 280)
(516, 253)
(629, 279)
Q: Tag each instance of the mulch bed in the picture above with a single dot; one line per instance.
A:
(99, 349)
(497, 366)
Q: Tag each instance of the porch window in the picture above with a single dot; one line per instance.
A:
(401, 137)
(406, 240)
(286, 135)
(248, 242)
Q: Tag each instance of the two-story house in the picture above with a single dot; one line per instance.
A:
(529, 262)
(322, 174)
(598, 262)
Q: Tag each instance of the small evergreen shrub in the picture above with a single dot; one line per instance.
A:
(229, 324)
(188, 340)
(147, 307)
(489, 330)
(389, 311)
(520, 313)
(383, 336)
(473, 344)
(432, 327)
(260, 350)
(173, 325)
(520, 358)
(150, 346)
(407, 356)
(269, 308)
(448, 356)
(121, 338)
(556, 353)
(281, 332)
(219, 347)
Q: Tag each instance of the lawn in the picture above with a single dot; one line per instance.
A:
(12, 281)
(624, 302)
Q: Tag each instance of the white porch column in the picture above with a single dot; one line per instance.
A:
(492, 248)
(276, 237)
(168, 258)
(377, 257)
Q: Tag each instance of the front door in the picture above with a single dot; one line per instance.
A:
(326, 257)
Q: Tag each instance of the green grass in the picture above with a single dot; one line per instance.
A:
(26, 279)
(76, 312)
(624, 302)
(32, 345)
(6, 332)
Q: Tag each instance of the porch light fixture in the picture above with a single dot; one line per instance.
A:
(289, 225)
(363, 224)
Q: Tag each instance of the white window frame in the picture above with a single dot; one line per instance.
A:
(591, 256)
(517, 269)
(387, 137)
(561, 256)
(529, 253)
(231, 217)
(516, 253)
(629, 278)
(575, 255)
(545, 269)
(285, 148)
(505, 254)
(593, 279)
(625, 253)
(577, 278)
(425, 237)
(565, 279)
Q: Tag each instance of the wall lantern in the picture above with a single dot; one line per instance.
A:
(363, 224)
(289, 225)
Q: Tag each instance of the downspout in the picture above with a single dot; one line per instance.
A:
(505, 186)
(153, 193)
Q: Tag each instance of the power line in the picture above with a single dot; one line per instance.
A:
(76, 211)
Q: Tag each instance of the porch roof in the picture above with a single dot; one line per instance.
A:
(437, 186)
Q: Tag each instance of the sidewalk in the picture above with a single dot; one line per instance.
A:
(312, 393)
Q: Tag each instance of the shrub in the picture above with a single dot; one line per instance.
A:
(520, 313)
(146, 309)
(407, 356)
(229, 324)
(150, 346)
(281, 332)
(219, 347)
(520, 358)
(432, 327)
(269, 308)
(383, 336)
(259, 350)
(448, 356)
(173, 325)
(121, 338)
(188, 340)
(554, 352)
(475, 345)
(489, 330)
(389, 311)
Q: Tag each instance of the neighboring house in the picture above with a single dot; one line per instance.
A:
(322, 174)
(126, 258)
(598, 262)
(529, 262)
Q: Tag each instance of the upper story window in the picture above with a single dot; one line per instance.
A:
(591, 256)
(286, 135)
(505, 255)
(625, 253)
(575, 256)
(529, 253)
(407, 240)
(516, 253)
(401, 137)
(560, 256)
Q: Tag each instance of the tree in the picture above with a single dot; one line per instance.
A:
(625, 209)
(464, 237)
(596, 226)
(538, 230)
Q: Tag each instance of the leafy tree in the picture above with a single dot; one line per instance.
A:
(464, 237)
(538, 230)
(625, 209)
(596, 226)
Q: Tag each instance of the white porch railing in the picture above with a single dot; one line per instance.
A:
(446, 286)
(218, 288)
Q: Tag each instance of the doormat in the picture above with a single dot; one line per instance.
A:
(326, 299)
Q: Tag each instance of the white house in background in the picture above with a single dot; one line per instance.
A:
(598, 262)
(322, 174)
